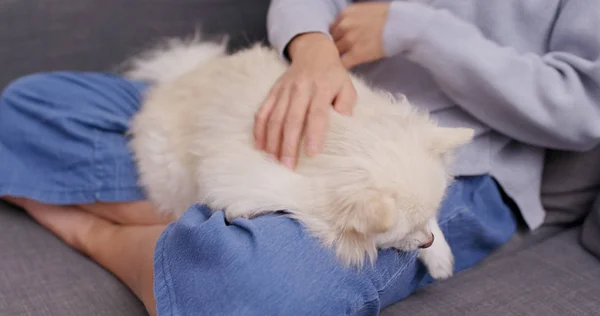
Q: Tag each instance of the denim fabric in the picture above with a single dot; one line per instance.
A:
(62, 138)
(271, 266)
(62, 141)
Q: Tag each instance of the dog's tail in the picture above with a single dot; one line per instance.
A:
(173, 58)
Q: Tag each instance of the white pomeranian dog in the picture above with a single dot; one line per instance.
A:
(378, 182)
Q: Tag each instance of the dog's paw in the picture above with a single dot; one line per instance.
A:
(438, 259)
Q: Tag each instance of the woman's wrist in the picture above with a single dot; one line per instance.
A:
(309, 46)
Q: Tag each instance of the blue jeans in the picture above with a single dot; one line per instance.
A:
(62, 141)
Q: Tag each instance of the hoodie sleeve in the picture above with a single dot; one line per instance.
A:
(288, 18)
(551, 101)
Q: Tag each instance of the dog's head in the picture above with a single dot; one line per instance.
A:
(385, 183)
(420, 184)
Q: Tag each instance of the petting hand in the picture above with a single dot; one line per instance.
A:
(299, 102)
(358, 32)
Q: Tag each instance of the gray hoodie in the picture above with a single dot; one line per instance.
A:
(525, 74)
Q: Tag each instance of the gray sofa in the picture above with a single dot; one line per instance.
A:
(546, 272)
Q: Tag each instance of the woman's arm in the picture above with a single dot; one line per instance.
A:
(551, 101)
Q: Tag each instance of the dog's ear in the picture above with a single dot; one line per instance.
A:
(445, 139)
(363, 215)
(371, 213)
(353, 248)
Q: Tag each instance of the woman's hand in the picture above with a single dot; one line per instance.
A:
(298, 105)
(358, 32)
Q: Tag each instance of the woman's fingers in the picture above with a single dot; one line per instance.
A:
(294, 125)
(316, 122)
(344, 101)
(262, 117)
(344, 44)
(300, 110)
(352, 58)
(275, 123)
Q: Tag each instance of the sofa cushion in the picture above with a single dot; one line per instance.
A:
(554, 277)
(590, 234)
(91, 35)
(571, 184)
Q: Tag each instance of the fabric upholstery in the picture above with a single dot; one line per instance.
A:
(570, 185)
(94, 35)
(590, 235)
(571, 193)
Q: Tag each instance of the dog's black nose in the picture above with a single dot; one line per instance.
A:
(428, 243)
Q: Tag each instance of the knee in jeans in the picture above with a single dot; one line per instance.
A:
(15, 101)
(20, 87)
(267, 294)
(265, 264)
(281, 289)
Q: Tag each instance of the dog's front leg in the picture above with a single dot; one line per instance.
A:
(438, 258)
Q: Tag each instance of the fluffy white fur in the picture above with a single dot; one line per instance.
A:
(378, 182)
(173, 58)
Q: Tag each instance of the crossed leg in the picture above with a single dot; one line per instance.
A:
(119, 236)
